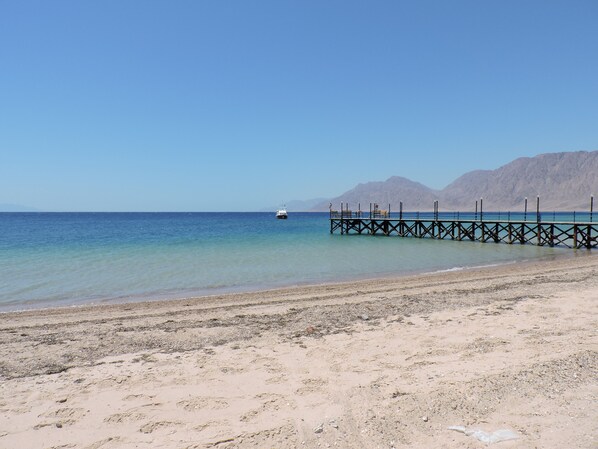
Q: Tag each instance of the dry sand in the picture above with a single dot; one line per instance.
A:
(384, 363)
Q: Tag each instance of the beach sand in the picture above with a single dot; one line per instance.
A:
(370, 364)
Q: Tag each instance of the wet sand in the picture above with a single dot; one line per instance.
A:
(382, 363)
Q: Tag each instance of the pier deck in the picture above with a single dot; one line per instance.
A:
(492, 227)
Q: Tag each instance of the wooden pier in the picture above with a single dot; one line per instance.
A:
(542, 229)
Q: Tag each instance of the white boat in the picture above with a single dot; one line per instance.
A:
(281, 214)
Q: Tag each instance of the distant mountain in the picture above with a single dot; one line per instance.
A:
(299, 205)
(564, 181)
(16, 208)
(384, 193)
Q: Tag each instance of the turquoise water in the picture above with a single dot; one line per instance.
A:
(49, 259)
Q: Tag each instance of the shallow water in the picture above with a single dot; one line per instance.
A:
(51, 259)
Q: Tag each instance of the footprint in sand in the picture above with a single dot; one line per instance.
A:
(133, 397)
(212, 424)
(482, 346)
(61, 417)
(276, 379)
(202, 402)
(311, 386)
(128, 416)
(151, 427)
(231, 370)
(65, 413)
(270, 403)
(132, 414)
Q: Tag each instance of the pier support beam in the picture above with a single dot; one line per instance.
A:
(575, 234)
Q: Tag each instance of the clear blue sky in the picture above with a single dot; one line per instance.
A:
(237, 105)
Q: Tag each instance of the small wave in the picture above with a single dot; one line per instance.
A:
(473, 267)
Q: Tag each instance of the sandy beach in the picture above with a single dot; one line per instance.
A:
(371, 364)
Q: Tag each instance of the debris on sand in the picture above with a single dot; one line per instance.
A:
(487, 437)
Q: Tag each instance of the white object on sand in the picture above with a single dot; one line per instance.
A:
(486, 437)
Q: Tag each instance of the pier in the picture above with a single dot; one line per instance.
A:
(568, 229)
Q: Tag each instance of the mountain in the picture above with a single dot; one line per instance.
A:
(16, 208)
(384, 193)
(564, 181)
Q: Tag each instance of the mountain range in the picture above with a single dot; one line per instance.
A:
(563, 181)
(4, 207)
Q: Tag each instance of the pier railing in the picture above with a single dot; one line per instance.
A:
(569, 229)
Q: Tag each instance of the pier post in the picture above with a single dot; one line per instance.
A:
(476, 210)
(481, 209)
(525, 210)
(331, 221)
(538, 225)
(591, 207)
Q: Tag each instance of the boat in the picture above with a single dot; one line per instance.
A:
(281, 214)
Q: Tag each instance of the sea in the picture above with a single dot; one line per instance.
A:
(69, 259)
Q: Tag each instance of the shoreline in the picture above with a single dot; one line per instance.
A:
(235, 290)
(372, 363)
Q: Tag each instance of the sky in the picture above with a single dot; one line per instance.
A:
(231, 105)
